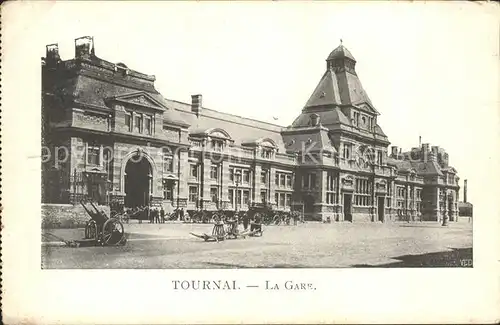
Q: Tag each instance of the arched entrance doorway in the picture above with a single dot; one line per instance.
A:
(137, 181)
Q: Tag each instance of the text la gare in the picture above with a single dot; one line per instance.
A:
(289, 285)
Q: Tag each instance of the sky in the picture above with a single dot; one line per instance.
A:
(430, 69)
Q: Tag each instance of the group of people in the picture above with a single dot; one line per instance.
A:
(154, 214)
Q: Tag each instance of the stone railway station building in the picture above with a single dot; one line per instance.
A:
(125, 142)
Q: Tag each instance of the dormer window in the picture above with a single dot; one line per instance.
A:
(217, 145)
(138, 123)
(355, 118)
(266, 153)
(147, 125)
(379, 157)
(168, 161)
(346, 152)
(128, 121)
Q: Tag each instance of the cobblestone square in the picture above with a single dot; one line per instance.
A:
(164, 246)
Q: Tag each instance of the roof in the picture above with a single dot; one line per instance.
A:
(308, 138)
(326, 92)
(339, 88)
(94, 91)
(327, 118)
(241, 130)
(340, 52)
(355, 90)
(420, 167)
(95, 87)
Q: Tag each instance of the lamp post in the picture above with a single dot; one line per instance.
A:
(109, 188)
(237, 176)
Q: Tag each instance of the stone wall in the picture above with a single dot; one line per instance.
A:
(66, 215)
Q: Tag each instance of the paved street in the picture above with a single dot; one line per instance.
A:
(305, 245)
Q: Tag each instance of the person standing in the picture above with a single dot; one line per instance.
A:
(162, 215)
(157, 215)
(246, 220)
(182, 214)
(148, 214)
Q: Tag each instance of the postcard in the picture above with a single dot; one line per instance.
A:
(250, 162)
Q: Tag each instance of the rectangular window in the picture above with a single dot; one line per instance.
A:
(305, 181)
(128, 121)
(217, 145)
(138, 123)
(263, 196)
(246, 196)
(282, 180)
(214, 172)
(214, 194)
(168, 193)
(330, 188)
(193, 171)
(193, 193)
(107, 158)
(238, 197)
(230, 196)
(379, 157)
(231, 174)
(266, 153)
(282, 199)
(246, 176)
(147, 125)
(276, 198)
(277, 179)
(313, 180)
(289, 181)
(263, 176)
(93, 155)
(168, 162)
(346, 153)
(288, 201)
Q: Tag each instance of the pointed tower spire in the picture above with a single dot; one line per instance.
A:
(340, 59)
(340, 84)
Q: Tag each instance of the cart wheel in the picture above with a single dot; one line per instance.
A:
(90, 229)
(112, 232)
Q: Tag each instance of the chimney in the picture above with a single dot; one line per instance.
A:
(394, 151)
(196, 104)
(435, 152)
(432, 157)
(84, 47)
(425, 152)
(52, 54)
(465, 191)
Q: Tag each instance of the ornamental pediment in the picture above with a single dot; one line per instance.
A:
(367, 108)
(142, 99)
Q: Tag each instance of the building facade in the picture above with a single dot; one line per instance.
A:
(109, 134)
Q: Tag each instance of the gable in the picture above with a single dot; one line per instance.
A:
(367, 108)
(142, 99)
